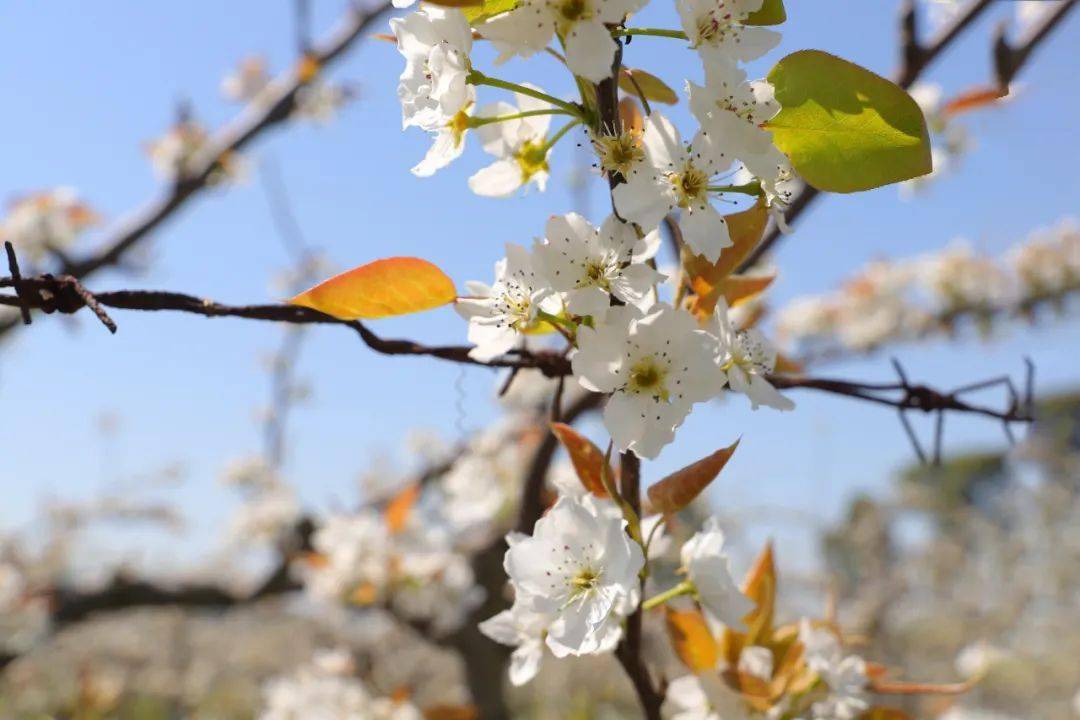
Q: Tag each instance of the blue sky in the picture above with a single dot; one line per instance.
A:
(87, 83)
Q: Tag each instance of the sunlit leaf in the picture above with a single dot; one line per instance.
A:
(456, 3)
(587, 459)
(478, 13)
(641, 83)
(678, 489)
(690, 637)
(756, 692)
(384, 288)
(771, 12)
(400, 507)
(844, 128)
(707, 279)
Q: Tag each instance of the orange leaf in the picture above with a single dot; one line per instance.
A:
(898, 687)
(400, 507)
(884, 713)
(587, 459)
(787, 365)
(974, 99)
(393, 286)
(364, 594)
(746, 229)
(678, 489)
(693, 642)
(740, 288)
(307, 67)
(451, 712)
(760, 586)
(630, 115)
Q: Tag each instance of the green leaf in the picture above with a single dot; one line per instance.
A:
(653, 88)
(480, 12)
(771, 12)
(844, 128)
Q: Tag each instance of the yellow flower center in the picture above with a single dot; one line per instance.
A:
(585, 580)
(619, 153)
(532, 159)
(690, 185)
(572, 10)
(647, 377)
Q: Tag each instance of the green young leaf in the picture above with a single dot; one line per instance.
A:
(844, 128)
(653, 88)
(480, 12)
(771, 12)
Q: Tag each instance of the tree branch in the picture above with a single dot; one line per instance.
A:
(915, 58)
(280, 101)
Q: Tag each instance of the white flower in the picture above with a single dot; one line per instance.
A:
(500, 314)
(319, 101)
(732, 110)
(47, 220)
(178, 154)
(977, 658)
(593, 265)
(844, 676)
(709, 569)
(265, 516)
(247, 82)
(677, 176)
(747, 357)
(702, 697)
(315, 692)
(354, 554)
(520, 145)
(580, 568)
(716, 29)
(522, 628)
(655, 366)
(449, 140)
(959, 279)
(590, 50)
(436, 42)
(756, 661)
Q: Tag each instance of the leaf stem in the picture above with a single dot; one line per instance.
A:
(478, 78)
(684, 588)
(751, 188)
(479, 120)
(654, 32)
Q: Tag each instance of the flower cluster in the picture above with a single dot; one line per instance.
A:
(47, 221)
(270, 507)
(318, 100)
(328, 687)
(890, 301)
(181, 153)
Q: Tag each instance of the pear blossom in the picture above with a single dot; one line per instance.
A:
(717, 29)
(656, 366)
(747, 358)
(708, 567)
(247, 82)
(448, 140)
(353, 551)
(591, 265)
(677, 176)
(522, 628)
(520, 145)
(844, 675)
(618, 152)
(319, 101)
(733, 110)
(756, 661)
(176, 155)
(47, 220)
(580, 568)
(581, 24)
(264, 516)
(500, 314)
(702, 697)
(433, 88)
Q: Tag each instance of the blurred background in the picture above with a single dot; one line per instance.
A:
(113, 449)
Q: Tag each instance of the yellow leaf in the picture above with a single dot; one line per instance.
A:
(456, 3)
(384, 288)
(741, 288)
(586, 458)
(400, 507)
(678, 489)
(690, 637)
(644, 84)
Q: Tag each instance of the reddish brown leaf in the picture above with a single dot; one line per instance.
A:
(678, 489)
(451, 712)
(973, 99)
(586, 458)
(760, 586)
(400, 507)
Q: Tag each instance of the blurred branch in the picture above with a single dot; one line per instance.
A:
(252, 122)
(915, 58)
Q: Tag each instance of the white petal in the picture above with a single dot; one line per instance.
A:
(499, 179)
(525, 662)
(443, 151)
(590, 50)
(705, 231)
(642, 199)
